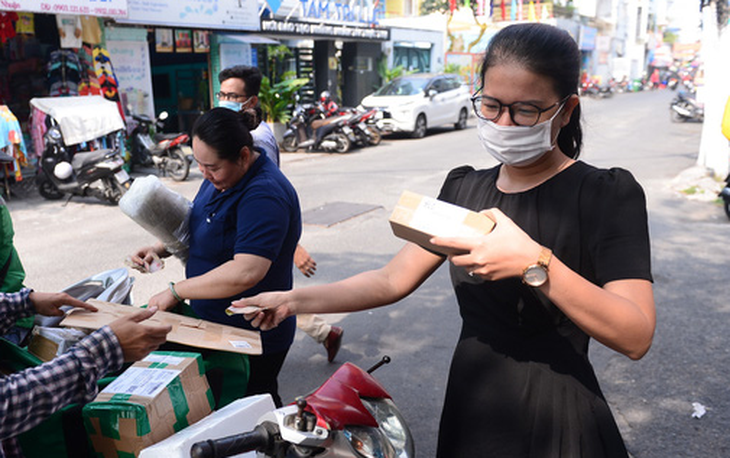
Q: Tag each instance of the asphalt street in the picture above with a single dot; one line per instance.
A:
(61, 243)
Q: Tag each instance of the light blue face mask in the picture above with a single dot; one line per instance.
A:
(231, 105)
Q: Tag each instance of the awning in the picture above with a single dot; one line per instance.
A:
(247, 38)
(81, 118)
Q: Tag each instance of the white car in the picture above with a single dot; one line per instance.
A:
(413, 103)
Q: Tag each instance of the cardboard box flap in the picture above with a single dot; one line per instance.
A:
(185, 330)
(418, 218)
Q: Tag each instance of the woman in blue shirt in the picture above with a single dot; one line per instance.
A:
(244, 227)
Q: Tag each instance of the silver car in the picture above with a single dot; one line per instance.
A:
(413, 103)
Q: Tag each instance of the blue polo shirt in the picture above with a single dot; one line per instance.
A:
(260, 215)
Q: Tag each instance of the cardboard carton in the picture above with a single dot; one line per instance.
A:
(418, 218)
(150, 401)
(185, 330)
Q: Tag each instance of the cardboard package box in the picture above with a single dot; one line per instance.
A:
(185, 330)
(150, 401)
(418, 218)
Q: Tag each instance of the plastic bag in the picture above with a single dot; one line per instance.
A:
(161, 212)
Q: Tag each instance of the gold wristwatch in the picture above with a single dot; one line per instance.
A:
(536, 275)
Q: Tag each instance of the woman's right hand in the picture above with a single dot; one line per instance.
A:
(144, 257)
(272, 309)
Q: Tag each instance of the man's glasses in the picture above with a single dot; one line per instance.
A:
(522, 113)
(229, 96)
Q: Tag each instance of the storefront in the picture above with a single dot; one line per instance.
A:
(338, 47)
(48, 49)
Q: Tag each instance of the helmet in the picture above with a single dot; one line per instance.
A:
(62, 170)
(324, 96)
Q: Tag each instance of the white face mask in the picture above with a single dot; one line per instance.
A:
(516, 145)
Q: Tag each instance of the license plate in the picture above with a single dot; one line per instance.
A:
(122, 176)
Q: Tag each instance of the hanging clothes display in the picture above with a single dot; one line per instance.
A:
(7, 25)
(25, 24)
(89, 82)
(64, 73)
(107, 78)
(69, 30)
(11, 140)
(90, 30)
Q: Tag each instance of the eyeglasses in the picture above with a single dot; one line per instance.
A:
(521, 113)
(229, 96)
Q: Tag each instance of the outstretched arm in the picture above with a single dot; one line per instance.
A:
(402, 275)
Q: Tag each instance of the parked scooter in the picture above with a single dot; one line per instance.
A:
(82, 148)
(684, 107)
(350, 415)
(87, 173)
(364, 128)
(725, 195)
(307, 129)
(167, 152)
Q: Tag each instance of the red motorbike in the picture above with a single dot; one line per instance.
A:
(350, 416)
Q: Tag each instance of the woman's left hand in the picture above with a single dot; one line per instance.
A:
(163, 300)
(503, 253)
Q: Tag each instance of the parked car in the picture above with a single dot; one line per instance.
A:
(413, 103)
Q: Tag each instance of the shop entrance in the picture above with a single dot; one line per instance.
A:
(181, 86)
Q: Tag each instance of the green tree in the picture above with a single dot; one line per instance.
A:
(442, 6)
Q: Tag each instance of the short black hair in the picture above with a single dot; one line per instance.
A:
(251, 76)
(226, 131)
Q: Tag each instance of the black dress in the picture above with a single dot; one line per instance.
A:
(520, 383)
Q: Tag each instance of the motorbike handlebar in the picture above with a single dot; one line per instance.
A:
(258, 439)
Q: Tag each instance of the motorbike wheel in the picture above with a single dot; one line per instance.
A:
(113, 190)
(676, 117)
(461, 123)
(47, 189)
(177, 165)
(374, 135)
(343, 143)
(290, 144)
(421, 127)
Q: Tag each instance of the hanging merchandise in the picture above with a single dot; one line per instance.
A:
(89, 82)
(90, 30)
(25, 24)
(64, 73)
(11, 140)
(106, 76)
(7, 26)
(69, 29)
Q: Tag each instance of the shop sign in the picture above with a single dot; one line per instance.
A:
(106, 8)
(338, 12)
(203, 14)
(324, 30)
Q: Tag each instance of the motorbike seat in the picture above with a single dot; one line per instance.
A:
(142, 118)
(159, 137)
(84, 158)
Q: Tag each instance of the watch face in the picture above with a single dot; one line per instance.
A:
(535, 276)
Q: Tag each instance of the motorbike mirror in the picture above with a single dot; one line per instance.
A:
(163, 116)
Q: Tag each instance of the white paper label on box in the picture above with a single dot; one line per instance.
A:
(240, 344)
(433, 216)
(142, 381)
(164, 359)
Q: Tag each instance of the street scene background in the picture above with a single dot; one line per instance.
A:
(652, 399)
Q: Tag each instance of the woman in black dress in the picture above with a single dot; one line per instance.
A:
(568, 260)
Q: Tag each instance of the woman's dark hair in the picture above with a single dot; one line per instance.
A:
(226, 131)
(548, 51)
